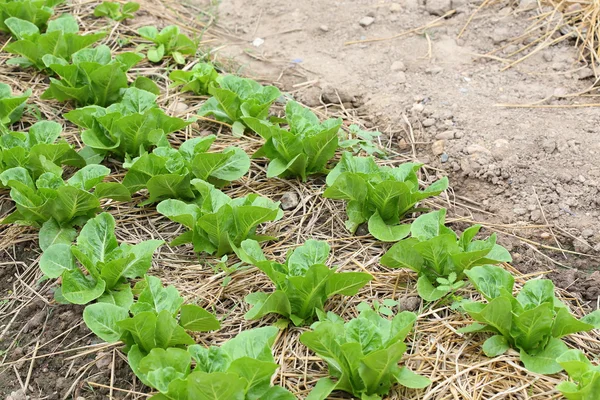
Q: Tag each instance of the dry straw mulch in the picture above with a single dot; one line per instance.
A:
(453, 361)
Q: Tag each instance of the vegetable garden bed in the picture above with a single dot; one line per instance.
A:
(329, 256)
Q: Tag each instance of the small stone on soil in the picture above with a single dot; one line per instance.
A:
(585, 73)
(520, 211)
(438, 147)
(428, 122)
(289, 201)
(366, 21)
(395, 7)
(401, 77)
(410, 303)
(398, 66)
(324, 28)
(447, 135)
(438, 7)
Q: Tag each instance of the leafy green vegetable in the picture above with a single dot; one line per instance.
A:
(50, 199)
(302, 149)
(440, 257)
(108, 265)
(362, 354)
(116, 11)
(35, 11)
(216, 222)
(167, 172)
(303, 283)
(37, 150)
(94, 77)
(585, 377)
(196, 80)
(240, 369)
(532, 322)
(128, 128)
(11, 107)
(358, 140)
(168, 42)
(235, 97)
(380, 195)
(58, 44)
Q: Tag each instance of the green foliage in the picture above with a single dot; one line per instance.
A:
(35, 11)
(302, 149)
(116, 11)
(126, 129)
(440, 257)
(532, 322)
(57, 45)
(107, 264)
(216, 222)
(168, 42)
(380, 195)
(11, 106)
(94, 77)
(585, 377)
(64, 203)
(235, 97)
(38, 150)
(358, 140)
(362, 354)
(240, 369)
(302, 284)
(196, 80)
(167, 172)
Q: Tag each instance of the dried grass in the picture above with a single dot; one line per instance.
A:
(453, 361)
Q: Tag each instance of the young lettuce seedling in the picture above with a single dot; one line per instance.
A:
(38, 150)
(108, 265)
(362, 354)
(235, 97)
(301, 150)
(585, 377)
(383, 196)
(35, 11)
(11, 107)
(357, 140)
(196, 80)
(167, 172)
(57, 205)
(440, 257)
(128, 128)
(303, 283)
(58, 44)
(532, 322)
(216, 222)
(240, 369)
(168, 42)
(116, 11)
(94, 76)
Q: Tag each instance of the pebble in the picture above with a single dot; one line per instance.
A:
(398, 66)
(180, 107)
(428, 122)
(519, 211)
(536, 216)
(501, 34)
(324, 28)
(476, 148)
(585, 73)
(409, 303)
(586, 233)
(438, 147)
(366, 21)
(418, 107)
(548, 56)
(447, 135)
(560, 92)
(289, 201)
(402, 144)
(401, 77)
(545, 235)
(549, 146)
(395, 8)
(580, 245)
(438, 7)
(444, 158)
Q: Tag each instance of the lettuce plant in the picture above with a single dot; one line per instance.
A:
(440, 257)
(94, 76)
(531, 322)
(362, 354)
(167, 172)
(51, 202)
(240, 369)
(126, 129)
(302, 284)
(107, 264)
(216, 222)
(168, 42)
(302, 149)
(380, 195)
(35, 11)
(60, 41)
(356, 140)
(584, 383)
(11, 106)
(196, 80)
(116, 11)
(234, 97)
(38, 150)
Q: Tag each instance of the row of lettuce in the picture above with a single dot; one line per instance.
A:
(122, 120)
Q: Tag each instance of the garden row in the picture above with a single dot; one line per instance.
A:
(120, 117)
